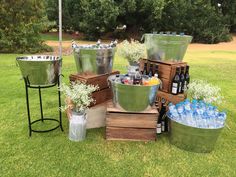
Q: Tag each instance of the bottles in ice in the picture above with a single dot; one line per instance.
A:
(197, 114)
(137, 80)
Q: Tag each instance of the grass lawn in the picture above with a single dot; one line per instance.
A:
(53, 154)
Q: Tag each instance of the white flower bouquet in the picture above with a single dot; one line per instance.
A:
(78, 96)
(202, 90)
(132, 51)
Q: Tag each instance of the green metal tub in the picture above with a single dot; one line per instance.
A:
(133, 98)
(193, 139)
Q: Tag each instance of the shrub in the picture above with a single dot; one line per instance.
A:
(20, 26)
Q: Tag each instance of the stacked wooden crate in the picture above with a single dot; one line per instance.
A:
(104, 93)
(97, 111)
(132, 126)
(166, 73)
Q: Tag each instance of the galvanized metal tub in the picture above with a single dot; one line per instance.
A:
(133, 98)
(94, 60)
(40, 70)
(166, 47)
(193, 139)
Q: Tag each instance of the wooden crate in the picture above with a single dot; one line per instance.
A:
(104, 93)
(166, 71)
(123, 125)
(169, 98)
(100, 80)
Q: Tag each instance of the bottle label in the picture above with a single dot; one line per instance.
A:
(180, 86)
(162, 126)
(158, 129)
(185, 85)
(174, 88)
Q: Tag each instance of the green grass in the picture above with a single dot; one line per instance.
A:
(52, 154)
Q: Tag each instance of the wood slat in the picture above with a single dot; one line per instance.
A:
(100, 80)
(111, 108)
(131, 120)
(102, 96)
(131, 134)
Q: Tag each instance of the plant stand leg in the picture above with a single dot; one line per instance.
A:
(28, 108)
(59, 103)
(41, 105)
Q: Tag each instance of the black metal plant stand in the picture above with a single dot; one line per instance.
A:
(42, 119)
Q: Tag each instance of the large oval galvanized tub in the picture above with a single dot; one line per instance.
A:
(193, 139)
(40, 70)
(133, 98)
(94, 60)
(166, 47)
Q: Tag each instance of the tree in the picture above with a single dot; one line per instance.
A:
(20, 26)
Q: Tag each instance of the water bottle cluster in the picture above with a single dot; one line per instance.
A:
(197, 114)
(98, 45)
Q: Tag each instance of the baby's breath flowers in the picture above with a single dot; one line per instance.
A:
(202, 90)
(78, 96)
(132, 51)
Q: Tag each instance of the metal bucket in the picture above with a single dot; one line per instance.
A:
(133, 98)
(94, 60)
(40, 70)
(193, 139)
(166, 47)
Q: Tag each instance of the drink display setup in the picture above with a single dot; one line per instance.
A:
(125, 103)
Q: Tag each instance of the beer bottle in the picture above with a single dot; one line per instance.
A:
(175, 82)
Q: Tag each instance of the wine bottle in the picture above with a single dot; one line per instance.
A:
(150, 74)
(156, 70)
(158, 130)
(145, 69)
(182, 79)
(137, 80)
(175, 82)
(162, 115)
(186, 78)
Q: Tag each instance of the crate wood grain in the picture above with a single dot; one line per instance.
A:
(104, 93)
(131, 134)
(132, 126)
(99, 80)
(169, 98)
(101, 96)
(131, 120)
(166, 71)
